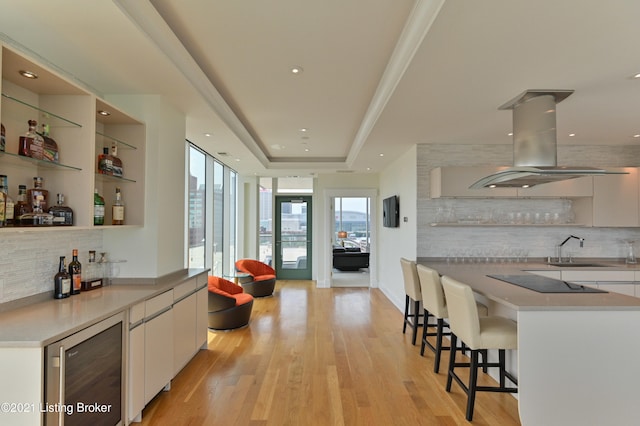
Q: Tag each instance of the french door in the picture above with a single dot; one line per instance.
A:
(292, 232)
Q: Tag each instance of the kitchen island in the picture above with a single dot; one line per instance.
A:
(577, 352)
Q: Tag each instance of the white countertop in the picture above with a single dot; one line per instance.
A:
(44, 322)
(518, 298)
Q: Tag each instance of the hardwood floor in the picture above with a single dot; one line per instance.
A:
(320, 357)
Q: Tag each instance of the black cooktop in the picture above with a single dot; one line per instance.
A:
(544, 284)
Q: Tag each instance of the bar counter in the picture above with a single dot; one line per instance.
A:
(577, 358)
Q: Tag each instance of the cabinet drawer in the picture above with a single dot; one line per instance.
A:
(598, 275)
(184, 289)
(158, 303)
(136, 313)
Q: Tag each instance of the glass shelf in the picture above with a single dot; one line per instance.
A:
(45, 116)
(120, 142)
(108, 178)
(15, 158)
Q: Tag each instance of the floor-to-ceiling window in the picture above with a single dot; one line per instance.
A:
(352, 225)
(213, 206)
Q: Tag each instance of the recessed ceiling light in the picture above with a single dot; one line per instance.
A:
(237, 159)
(104, 113)
(510, 134)
(492, 186)
(208, 135)
(28, 74)
(572, 134)
(637, 75)
(304, 129)
(525, 186)
(368, 168)
(306, 150)
(296, 70)
(381, 155)
(636, 136)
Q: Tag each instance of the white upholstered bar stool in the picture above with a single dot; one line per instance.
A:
(413, 297)
(492, 332)
(435, 304)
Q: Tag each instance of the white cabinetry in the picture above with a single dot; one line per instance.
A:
(80, 133)
(158, 344)
(622, 282)
(136, 363)
(189, 314)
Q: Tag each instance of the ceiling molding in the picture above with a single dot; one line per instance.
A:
(416, 28)
(146, 17)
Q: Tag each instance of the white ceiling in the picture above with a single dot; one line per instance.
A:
(378, 75)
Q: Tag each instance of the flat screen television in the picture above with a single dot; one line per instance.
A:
(391, 212)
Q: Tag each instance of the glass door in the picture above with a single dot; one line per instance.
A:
(292, 254)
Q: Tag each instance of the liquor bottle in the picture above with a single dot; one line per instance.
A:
(62, 282)
(2, 138)
(37, 192)
(62, 215)
(31, 144)
(98, 209)
(117, 209)
(116, 161)
(37, 217)
(105, 162)
(10, 205)
(50, 151)
(21, 206)
(75, 272)
(3, 203)
(92, 275)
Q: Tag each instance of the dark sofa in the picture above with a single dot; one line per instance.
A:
(349, 259)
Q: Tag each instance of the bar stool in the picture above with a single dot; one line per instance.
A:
(413, 294)
(435, 304)
(478, 334)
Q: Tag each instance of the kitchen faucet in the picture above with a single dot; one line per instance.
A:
(559, 246)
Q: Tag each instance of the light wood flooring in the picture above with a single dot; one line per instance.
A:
(320, 357)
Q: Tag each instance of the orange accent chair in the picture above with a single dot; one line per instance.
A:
(263, 277)
(229, 306)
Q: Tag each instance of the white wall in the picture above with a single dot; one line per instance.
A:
(399, 178)
(158, 248)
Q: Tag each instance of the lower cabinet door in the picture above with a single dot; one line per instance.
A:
(158, 354)
(136, 373)
(184, 327)
(202, 320)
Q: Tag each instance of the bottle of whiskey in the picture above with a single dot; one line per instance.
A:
(75, 272)
(105, 162)
(31, 144)
(37, 192)
(62, 281)
(21, 206)
(116, 161)
(117, 209)
(50, 151)
(62, 215)
(98, 209)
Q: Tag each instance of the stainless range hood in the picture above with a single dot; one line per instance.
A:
(534, 144)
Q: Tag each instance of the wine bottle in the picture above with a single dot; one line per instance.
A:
(62, 281)
(98, 209)
(75, 272)
(117, 209)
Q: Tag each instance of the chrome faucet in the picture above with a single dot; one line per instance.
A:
(559, 246)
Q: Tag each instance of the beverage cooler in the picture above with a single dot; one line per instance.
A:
(84, 376)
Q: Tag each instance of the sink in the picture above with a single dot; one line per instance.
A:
(577, 265)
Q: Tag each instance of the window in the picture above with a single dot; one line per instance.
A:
(353, 216)
(213, 205)
(266, 220)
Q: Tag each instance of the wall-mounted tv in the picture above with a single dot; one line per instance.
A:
(391, 212)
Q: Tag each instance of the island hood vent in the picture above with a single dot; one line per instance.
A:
(534, 144)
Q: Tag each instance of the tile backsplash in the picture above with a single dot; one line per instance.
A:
(539, 241)
(29, 259)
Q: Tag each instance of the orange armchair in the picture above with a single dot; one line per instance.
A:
(263, 277)
(229, 306)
